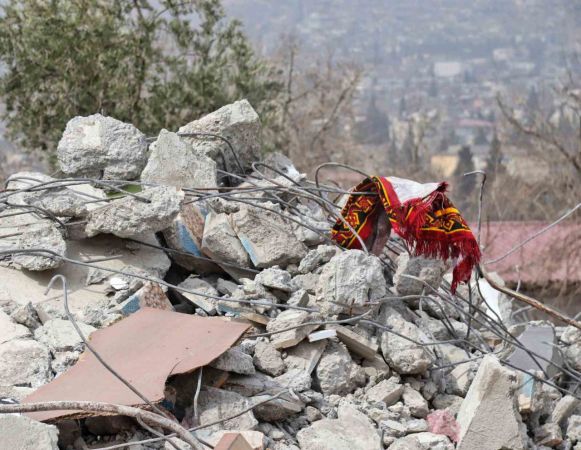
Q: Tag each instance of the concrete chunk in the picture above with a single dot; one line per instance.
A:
(352, 430)
(45, 235)
(287, 319)
(22, 433)
(403, 355)
(430, 271)
(128, 217)
(336, 373)
(221, 243)
(356, 343)
(215, 404)
(237, 122)
(24, 362)
(349, 281)
(574, 428)
(490, 401)
(173, 162)
(305, 355)
(102, 147)
(415, 402)
(195, 283)
(268, 359)
(267, 237)
(10, 330)
(275, 278)
(386, 391)
(234, 360)
(60, 335)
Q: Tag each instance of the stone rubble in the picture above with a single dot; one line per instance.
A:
(408, 376)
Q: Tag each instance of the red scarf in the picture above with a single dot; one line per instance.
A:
(431, 226)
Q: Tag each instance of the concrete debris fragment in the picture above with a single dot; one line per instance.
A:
(173, 162)
(349, 282)
(268, 359)
(350, 430)
(336, 372)
(490, 400)
(44, 235)
(288, 319)
(430, 271)
(221, 243)
(267, 237)
(24, 362)
(102, 147)
(234, 360)
(22, 433)
(128, 216)
(60, 335)
(10, 330)
(217, 404)
(405, 355)
(386, 391)
(239, 124)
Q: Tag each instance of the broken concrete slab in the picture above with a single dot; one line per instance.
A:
(234, 360)
(60, 335)
(266, 236)
(268, 359)
(386, 391)
(237, 122)
(132, 344)
(574, 428)
(221, 243)
(278, 409)
(287, 319)
(299, 298)
(415, 402)
(24, 362)
(44, 235)
(305, 356)
(355, 342)
(403, 355)
(197, 284)
(336, 373)
(430, 271)
(349, 431)
(251, 385)
(275, 278)
(349, 281)
(10, 330)
(128, 216)
(173, 162)
(564, 408)
(21, 433)
(490, 400)
(26, 315)
(215, 404)
(61, 202)
(102, 147)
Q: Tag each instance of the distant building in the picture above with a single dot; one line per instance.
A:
(448, 69)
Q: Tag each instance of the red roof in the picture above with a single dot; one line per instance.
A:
(554, 256)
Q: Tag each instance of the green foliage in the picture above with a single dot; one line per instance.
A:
(156, 64)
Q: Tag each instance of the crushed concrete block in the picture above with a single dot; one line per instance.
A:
(405, 443)
(221, 243)
(564, 409)
(60, 335)
(430, 271)
(102, 147)
(317, 257)
(431, 441)
(314, 218)
(386, 391)
(416, 426)
(10, 330)
(267, 358)
(355, 342)
(173, 162)
(415, 402)
(21, 433)
(237, 122)
(349, 281)
(574, 428)
(44, 235)
(128, 217)
(299, 298)
(295, 379)
(404, 356)
(275, 278)
(61, 202)
(197, 284)
(287, 319)
(267, 237)
(313, 414)
(24, 362)
(278, 409)
(351, 430)
(490, 400)
(548, 435)
(322, 334)
(336, 373)
(26, 315)
(459, 379)
(251, 385)
(307, 282)
(305, 356)
(215, 404)
(234, 360)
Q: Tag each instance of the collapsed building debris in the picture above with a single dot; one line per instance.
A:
(220, 313)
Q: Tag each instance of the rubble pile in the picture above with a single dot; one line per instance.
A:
(340, 349)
